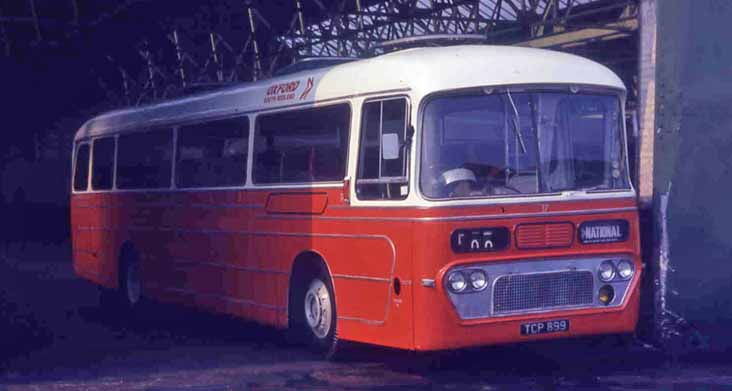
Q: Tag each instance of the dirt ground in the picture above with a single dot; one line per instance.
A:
(54, 336)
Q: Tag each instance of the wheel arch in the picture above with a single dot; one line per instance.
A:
(307, 262)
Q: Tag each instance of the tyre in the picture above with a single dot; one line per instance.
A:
(314, 318)
(127, 298)
(131, 284)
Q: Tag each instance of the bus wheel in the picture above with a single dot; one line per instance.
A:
(316, 316)
(131, 284)
(128, 295)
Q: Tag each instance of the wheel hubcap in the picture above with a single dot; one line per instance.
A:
(134, 287)
(318, 311)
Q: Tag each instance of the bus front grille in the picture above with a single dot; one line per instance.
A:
(542, 291)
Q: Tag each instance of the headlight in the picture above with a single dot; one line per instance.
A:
(625, 269)
(478, 280)
(606, 271)
(456, 282)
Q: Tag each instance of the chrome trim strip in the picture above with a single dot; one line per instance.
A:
(370, 218)
(544, 199)
(186, 262)
(365, 278)
(535, 214)
(457, 218)
(362, 320)
(175, 205)
(225, 298)
(297, 186)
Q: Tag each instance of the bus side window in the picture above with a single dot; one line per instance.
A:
(145, 160)
(212, 154)
(81, 174)
(103, 164)
(381, 174)
(302, 146)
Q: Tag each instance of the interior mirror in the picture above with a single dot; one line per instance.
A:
(389, 146)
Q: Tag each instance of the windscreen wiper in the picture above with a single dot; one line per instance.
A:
(516, 123)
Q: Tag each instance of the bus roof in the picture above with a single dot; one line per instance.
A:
(422, 70)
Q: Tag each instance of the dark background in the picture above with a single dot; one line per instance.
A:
(56, 76)
(53, 80)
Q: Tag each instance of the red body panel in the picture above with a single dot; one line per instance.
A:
(232, 251)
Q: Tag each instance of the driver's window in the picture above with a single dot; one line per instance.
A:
(382, 162)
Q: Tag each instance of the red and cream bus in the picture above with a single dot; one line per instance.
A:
(425, 199)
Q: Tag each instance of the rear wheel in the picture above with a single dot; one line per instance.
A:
(131, 284)
(128, 295)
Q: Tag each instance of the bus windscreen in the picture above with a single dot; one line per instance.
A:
(511, 143)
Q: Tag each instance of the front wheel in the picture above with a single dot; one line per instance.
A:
(319, 310)
(316, 318)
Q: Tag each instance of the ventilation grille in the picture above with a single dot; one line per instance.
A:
(544, 235)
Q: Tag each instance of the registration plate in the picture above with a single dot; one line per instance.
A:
(549, 326)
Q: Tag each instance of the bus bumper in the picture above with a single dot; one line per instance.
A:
(433, 332)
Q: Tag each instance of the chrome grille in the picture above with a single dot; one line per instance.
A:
(529, 292)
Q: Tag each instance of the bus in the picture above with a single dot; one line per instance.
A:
(425, 199)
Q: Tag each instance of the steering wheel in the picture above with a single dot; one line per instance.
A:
(494, 184)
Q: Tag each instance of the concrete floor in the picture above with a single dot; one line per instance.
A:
(53, 336)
